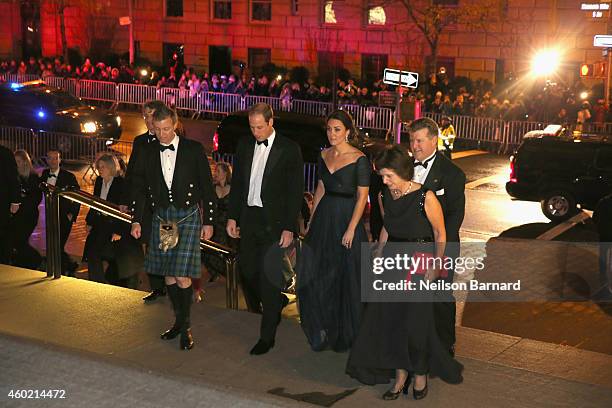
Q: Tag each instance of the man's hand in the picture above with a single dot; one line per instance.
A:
(232, 229)
(286, 239)
(70, 216)
(136, 230)
(115, 237)
(14, 208)
(207, 232)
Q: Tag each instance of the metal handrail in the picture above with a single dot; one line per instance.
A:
(54, 250)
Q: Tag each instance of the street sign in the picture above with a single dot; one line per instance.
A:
(387, 98)
(602, 40)
(403, 78)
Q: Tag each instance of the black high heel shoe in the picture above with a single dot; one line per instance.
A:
(420, 394)
(391, 395)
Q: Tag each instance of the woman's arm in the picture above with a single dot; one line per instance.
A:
(319, 193)
(433, 210)
(362, 198)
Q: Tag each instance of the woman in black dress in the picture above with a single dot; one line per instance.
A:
(223, 180)
(25, 219)
(399, 339)
(328, 287)
(104, 229)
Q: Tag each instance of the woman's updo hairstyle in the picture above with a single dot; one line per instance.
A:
(346, 119)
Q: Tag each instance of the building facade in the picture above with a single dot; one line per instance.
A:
(360, 35)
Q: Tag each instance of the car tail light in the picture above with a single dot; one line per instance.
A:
(512, 170)
(216, 142)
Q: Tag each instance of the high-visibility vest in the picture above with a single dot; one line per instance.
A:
(446, 135)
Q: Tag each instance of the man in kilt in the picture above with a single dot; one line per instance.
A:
(138, 164)
(178, 185)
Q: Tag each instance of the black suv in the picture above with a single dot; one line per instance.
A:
(563, 172)
(307, 131)
(37, 106)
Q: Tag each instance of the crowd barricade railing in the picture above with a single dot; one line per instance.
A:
(97, 90)
(134, 94)
(18, 78)
(57, 82)
(216, 102)
(15, 138)
(312, 108)
(370, 117)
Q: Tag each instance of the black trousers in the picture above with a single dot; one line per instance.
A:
(261, 270)
(65, 229)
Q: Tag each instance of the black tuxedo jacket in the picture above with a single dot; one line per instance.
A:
(65, 179)
(9, 182)
(191, 182)
(282, 186)
(447, 181)
(137, 163)
(115, 195)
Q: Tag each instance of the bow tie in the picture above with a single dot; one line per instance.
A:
(162, 147)
(51, 176)
(425, 163)
(264, 142)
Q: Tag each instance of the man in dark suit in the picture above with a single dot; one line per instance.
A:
(439, 174)
(265, 200)
(69, 210)
(10, 198)
(137, 164)
(180, 192)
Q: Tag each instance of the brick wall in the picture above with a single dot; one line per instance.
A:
(295, 40)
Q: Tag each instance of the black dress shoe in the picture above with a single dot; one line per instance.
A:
(170, 334)
(420, 394)
(186, 340)
(154, 295)
(392, 395)
(262, 347)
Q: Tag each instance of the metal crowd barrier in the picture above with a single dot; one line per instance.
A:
(54, 250)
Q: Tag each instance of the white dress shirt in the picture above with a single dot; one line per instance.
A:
(420, 172)
(53, 180)
(105, 189)
(168, 161)
(260, 157)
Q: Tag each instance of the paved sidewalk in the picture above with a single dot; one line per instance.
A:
(101, 344)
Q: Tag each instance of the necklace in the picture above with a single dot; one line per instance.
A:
(397, 193)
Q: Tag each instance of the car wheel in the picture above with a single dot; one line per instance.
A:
(559, 205)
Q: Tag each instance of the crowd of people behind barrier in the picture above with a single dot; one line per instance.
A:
(539, 102)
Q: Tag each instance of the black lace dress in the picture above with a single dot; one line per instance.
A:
(401, 335)
(328, 286)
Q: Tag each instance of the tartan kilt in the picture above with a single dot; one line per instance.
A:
(184, 260)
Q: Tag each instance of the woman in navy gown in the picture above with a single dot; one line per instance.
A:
(328, 286)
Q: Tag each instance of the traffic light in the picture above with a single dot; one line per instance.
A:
(599, 69)
(586, 70)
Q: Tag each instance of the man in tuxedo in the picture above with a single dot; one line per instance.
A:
(69, 210)
(264, 203)
(179, 189)
(10, 198)
(439, 174)
(137, 164)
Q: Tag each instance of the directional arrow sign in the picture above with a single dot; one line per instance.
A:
(403, 78)
(602, 40)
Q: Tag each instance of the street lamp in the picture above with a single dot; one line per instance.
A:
(545, 63)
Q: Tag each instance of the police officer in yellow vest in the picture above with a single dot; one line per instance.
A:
(447, 135)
